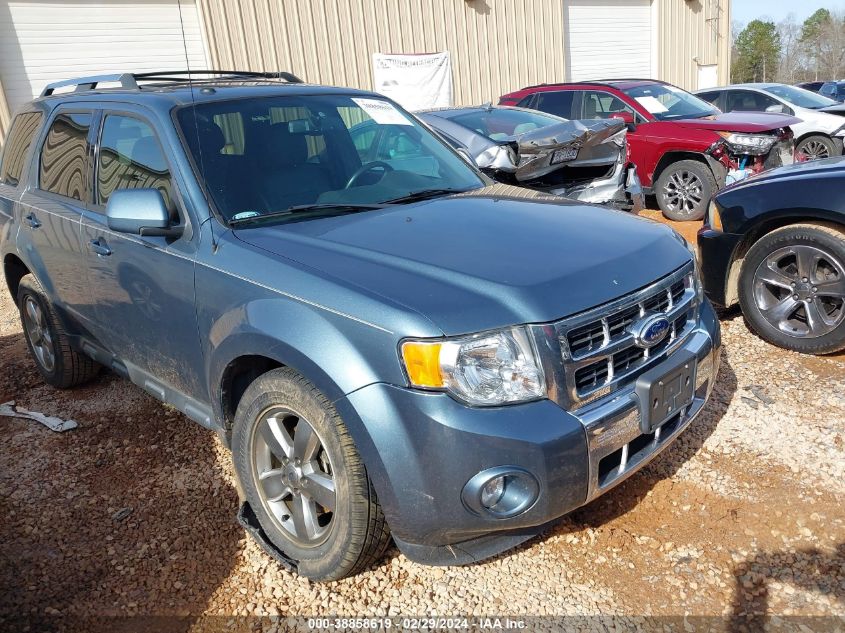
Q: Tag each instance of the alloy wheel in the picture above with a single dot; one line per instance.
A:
(683, 191)
(814, 150)
(800, 290)
(294, 476)
(38, 332)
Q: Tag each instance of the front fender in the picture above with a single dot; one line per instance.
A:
(336, 353)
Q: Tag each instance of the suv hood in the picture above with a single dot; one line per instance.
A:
(740, 122)
(490, 258)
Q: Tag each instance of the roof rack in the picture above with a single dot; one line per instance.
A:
(130, 80)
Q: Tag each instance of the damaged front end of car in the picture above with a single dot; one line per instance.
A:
(737, 155)
(583, 160)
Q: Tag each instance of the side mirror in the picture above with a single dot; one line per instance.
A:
(628, 119)
(776, 109)
(140, 212)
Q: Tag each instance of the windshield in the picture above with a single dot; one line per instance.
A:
(500, 124)
(800, 97)
(666, 102)
(267, 155)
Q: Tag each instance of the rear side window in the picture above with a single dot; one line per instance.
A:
(709, 97)
(131, 158)
(64, 157)
(558, 102)
(20, 138)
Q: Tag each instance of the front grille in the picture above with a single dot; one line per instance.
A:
(599, 351)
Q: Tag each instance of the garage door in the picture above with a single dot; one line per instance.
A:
(607, 39)
(43, 41)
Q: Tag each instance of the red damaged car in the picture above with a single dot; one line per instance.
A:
(684, 148)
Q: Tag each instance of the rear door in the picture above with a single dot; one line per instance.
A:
(14, 170)
(52, 207)
(142, 286)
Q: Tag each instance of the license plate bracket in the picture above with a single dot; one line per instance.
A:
(666, 390)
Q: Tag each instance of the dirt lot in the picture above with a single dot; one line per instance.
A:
(741, 517)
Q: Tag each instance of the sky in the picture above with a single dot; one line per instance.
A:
(746, 10)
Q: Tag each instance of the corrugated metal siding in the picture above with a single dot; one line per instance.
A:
(5, 115)
(495, 45)
(690, 29)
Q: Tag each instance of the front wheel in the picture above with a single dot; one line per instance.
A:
(304, 479)
(816, 147)
(792, 288)
(684, 189)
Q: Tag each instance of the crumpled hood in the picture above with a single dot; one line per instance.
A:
(537, 147)
(752, 122)
(494, 257)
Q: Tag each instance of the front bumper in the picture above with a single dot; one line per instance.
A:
(421, 449)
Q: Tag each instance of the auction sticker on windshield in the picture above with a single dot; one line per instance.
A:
(382, 112)
(652, 105)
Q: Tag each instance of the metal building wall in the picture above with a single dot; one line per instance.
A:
(690, 30)
(496, 45)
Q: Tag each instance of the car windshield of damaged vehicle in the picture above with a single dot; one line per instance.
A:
(310, 164)
(585, 160)
(666, 102)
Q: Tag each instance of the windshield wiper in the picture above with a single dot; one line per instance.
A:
(304, 208)
(424, 194)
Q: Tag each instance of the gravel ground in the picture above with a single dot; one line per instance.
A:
(133, 514)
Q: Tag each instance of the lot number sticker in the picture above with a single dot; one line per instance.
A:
(382, 112)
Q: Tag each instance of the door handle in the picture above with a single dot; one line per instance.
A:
(32, 221)
(101, 248)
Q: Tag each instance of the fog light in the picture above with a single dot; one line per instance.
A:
(501, 492)
(492, 492)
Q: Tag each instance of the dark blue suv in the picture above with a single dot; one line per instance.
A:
(391, 347)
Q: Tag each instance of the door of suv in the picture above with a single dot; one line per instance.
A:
(51, 208)
(142, 286)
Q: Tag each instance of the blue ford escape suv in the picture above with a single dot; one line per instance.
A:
(393, 348)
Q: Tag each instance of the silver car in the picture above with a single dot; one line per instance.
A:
(584, 160)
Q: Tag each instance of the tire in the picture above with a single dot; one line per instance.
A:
(684, 189)
(58, 363)
(285, 479)
(816, 147)
(814, 323)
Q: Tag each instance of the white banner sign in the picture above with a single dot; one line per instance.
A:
(414, 81)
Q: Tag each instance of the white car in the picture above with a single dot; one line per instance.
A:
(819, 135)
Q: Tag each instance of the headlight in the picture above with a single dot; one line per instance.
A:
(486, 369)
(749, 143)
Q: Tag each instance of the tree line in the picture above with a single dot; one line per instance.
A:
(790, 52)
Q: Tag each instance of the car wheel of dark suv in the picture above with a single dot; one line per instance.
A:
(304, 479)
(60, 365)
(684, 189)
(792, 288)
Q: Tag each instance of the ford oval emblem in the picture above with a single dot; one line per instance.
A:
(649, 331)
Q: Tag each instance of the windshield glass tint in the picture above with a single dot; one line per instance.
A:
(667, 102)
(268, 154)
(500, 123)
(800, 97)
